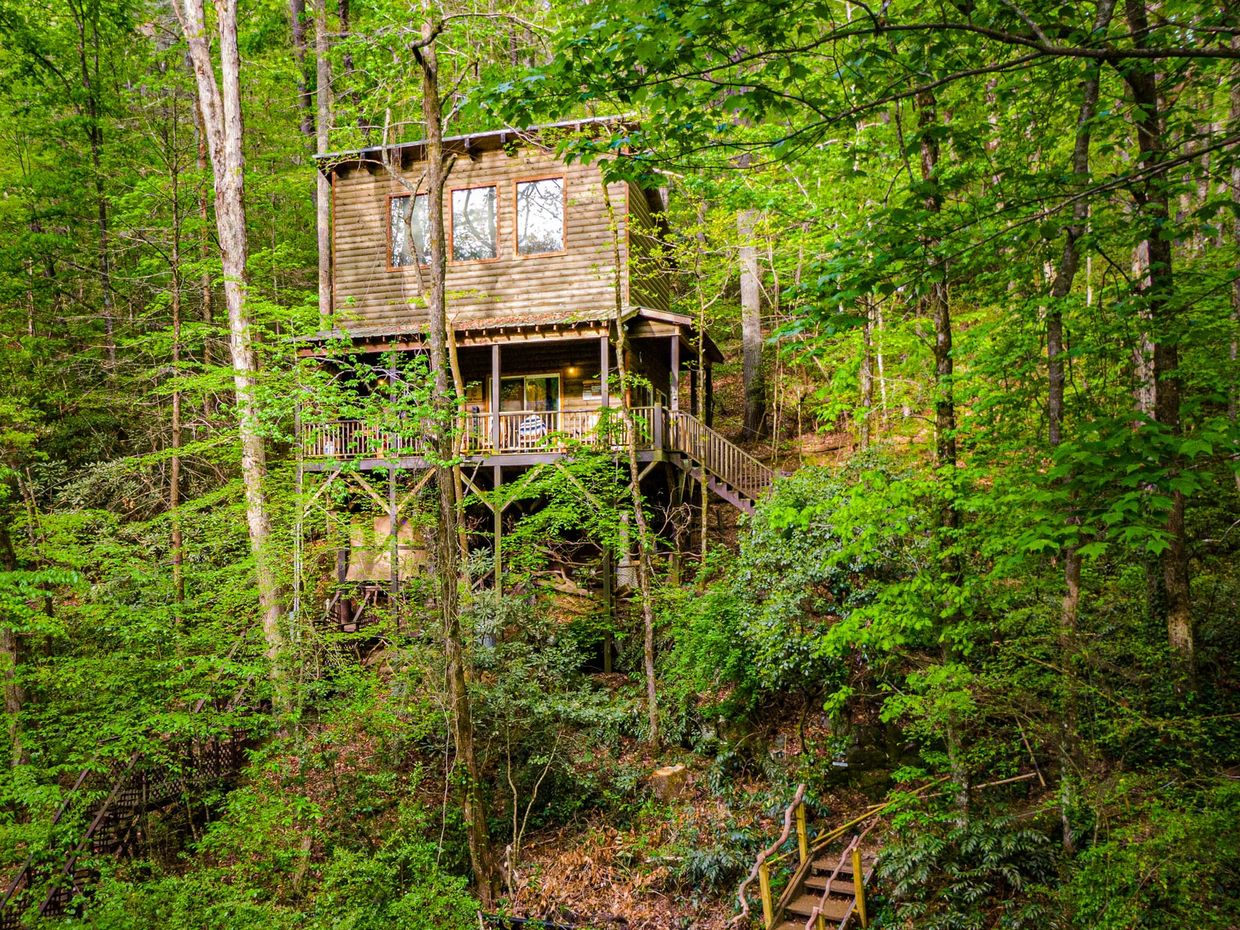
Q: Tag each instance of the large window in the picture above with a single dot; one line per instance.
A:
(529, 392)
(473, 224)
(540, 216)
(410, 230)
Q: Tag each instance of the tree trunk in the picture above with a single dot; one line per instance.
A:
(936, 306)
(1061, 287)
(297, 13)
(447, 550)
(221, 119)
(1153, 213)
(751, 327)
(322, 200)
(177, 541)
(94, 135)
(867, 377)
(204, 250)
(10, 657)
(1233, 397)
(645, 540)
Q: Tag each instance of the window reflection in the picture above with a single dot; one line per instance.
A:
(473, 224)
(540, 216)
(405, 224)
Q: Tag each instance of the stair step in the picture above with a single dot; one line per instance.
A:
(825, 865)
(835, 909)
(842, 885)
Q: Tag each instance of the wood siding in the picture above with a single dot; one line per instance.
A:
(580, 280)
(649, 283)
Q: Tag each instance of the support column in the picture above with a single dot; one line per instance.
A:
(495, 400)
(394, 530)
(708, 414)
(673, 381)
(498, 513)
(694, 406)
(604, 368)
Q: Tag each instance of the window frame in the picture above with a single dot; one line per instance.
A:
(516, 218)
(559, 376)
(396, 195)
(451, 225)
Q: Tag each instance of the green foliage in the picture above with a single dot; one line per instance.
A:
(1174, 863)
(982, 874)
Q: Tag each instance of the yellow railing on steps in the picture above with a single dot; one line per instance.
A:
(806, 852)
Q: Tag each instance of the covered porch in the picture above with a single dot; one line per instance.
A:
(534, 391)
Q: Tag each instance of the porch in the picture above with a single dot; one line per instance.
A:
(528, 435)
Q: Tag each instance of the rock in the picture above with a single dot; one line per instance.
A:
(669, 782)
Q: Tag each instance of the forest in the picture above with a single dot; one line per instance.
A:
(972, 268)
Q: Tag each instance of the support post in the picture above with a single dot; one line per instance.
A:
(673, 381)
(394, 531)
(608, 579)
(498, 511)
(859, 884)
(708, 414)
(495, 400)
(764, 889)
(694, 406)
(802, 833)
(604, 376)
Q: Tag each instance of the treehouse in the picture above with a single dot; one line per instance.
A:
(544, 262)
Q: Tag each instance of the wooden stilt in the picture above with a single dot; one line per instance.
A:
(393, 534)
(495, 402)
(498, 512)
(608, 595)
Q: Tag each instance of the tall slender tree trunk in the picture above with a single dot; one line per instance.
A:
(1156, 288)
(937, 307)
(1061, 287)
(1233, 397)
(645, 539)
(88, 64)
(220, 104)
(10, 656)
(751, 327)
(177, 541)
(297, 14)
(206, 313)
(447, 548)
(867, 377)
(323, 124)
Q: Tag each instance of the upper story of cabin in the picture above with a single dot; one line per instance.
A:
(529, 236)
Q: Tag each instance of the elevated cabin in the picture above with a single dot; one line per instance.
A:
(543, 258)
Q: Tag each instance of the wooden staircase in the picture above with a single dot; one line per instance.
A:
(828, 893)
(132, 790)
(725, 468)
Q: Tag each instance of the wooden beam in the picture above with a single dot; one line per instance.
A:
(498, 512)
(708, 411)
(604, 367)
(673, 381)
(495, 397)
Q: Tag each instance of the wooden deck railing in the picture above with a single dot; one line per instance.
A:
(512, 431)
(556, 431)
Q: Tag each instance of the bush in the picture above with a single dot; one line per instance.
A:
(1177, 865)
(985, 873)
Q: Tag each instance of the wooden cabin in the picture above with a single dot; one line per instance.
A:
(543, 259)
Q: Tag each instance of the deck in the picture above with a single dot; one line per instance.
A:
(530, 437)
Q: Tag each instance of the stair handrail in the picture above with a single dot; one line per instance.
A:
(815, 913)
(680, 418)
(771, 855)
(763, 856)
(853, 851)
